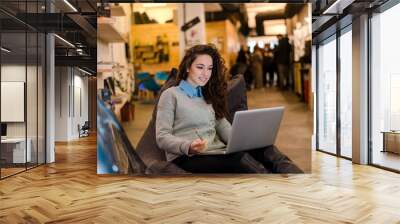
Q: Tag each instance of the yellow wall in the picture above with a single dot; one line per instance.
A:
(221, 33)
(224, 35)
(146, 34)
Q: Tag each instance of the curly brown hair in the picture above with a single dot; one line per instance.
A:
(215, 90)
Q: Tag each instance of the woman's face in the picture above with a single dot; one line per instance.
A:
(200, 70)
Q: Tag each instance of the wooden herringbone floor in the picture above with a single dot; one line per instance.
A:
(70, 191)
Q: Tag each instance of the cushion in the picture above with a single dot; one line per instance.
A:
(147, 148)
(237, 98)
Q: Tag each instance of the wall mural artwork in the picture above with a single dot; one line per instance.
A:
(180, 135)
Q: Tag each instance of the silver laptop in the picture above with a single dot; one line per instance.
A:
(252, 129)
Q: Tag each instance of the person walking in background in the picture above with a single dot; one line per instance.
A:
(283, 61)
(264, 78)
(268, 65)
(240, 66)
(257, 67)
(242, 61)
(275, 64)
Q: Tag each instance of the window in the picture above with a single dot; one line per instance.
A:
(327, 96)
(346, 93)
(385, 89)
(22, 77)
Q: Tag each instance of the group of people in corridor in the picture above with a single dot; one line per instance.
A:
(259, 68)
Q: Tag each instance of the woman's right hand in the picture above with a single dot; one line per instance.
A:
(198, 146)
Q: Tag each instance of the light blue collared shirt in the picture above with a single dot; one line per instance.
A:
(190, 90)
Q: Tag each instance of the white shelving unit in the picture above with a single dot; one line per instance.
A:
(112, 32)
(117, 10)
(107, 31)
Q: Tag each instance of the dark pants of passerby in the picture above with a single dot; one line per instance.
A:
(283, 72)
(270, 73)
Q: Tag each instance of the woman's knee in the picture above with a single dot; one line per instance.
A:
(243, 162)
(236, 157)
(272, 153)
(280, 162)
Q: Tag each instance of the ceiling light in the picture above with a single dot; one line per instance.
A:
(70, 5)
(5, 50)
(337, 7)
(154, 5)
(65, 41)
(330, 8)
(84, 71)
(265, 7)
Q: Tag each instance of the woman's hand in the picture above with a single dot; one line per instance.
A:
(198, 146)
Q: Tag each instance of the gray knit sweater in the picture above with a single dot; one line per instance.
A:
(178, 116)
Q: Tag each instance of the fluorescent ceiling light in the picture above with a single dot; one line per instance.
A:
(70, 5)
(65, 41)
(5, 49)
(212, 7)
(332, 7)
(84, 71)
(154, 5)
(265, 7)
(337, 7)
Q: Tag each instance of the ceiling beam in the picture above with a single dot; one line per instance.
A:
(82, 61)
(84, 24)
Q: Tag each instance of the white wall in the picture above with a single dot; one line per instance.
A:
(62, 98)
(187, 12)
(13, 73)
(67, 115)
(79, 117)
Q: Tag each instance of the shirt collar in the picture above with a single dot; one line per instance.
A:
(190, 90)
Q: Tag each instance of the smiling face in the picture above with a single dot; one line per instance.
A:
(200, 70)
(202, 65)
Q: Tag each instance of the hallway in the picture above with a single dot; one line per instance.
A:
(294, 137)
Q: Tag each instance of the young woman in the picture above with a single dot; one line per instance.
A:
(191, 119)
